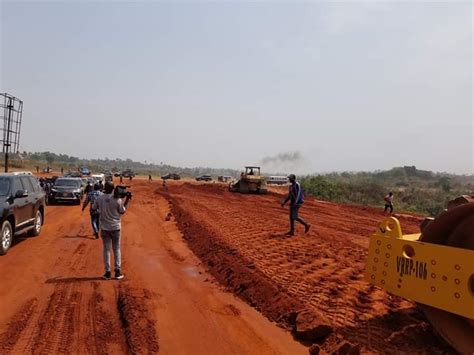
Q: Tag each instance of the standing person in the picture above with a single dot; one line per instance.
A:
(149, 177)
(296, 198)
(91, 196)
(88, 188)
(111, 210)
(47, 189)
(62, 170)
(388, 202)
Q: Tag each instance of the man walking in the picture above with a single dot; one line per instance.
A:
(111, 210)
(296, 198)
(389, 202)
(91, 196)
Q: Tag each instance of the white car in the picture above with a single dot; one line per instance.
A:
(98, 177)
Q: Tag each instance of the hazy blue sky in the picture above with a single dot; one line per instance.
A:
(350, 85)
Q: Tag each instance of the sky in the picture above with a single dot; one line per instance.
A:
(338, 86)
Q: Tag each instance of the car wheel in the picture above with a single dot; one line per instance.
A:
(38, 223)
(6, 237)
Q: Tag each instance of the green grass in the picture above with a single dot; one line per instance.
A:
(414, 190)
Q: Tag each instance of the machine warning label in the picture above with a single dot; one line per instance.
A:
(410, 267)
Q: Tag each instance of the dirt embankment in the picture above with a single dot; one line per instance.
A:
(241, 240)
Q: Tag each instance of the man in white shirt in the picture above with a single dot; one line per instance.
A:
(111, 210)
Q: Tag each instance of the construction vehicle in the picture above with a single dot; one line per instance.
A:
(434, 268)
(250, 182)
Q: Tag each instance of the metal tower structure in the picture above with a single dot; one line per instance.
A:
(11, 110)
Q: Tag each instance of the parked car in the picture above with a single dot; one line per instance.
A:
(224, 178)
(172, 176)
(204, 178)
(66, 190)
(98, 178)
(22, 207)
(128, 173)
(75, 174)
(108, 176)
(85, 171)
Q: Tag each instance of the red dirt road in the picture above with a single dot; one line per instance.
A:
(53, 300)
(241, 241)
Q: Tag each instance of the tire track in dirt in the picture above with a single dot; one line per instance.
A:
(137, 324)
(17, 325)
(322, 271)
(102, 329)
(74, 314)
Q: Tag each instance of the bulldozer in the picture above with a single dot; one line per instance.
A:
(434, 268)
(250, 182)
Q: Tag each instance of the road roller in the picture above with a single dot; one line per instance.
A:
(434, 268)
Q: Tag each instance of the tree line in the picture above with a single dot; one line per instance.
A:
(415, 190)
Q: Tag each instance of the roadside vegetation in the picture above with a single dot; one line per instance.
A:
(415, 190)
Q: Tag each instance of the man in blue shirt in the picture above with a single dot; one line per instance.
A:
(296, 198)
(91, 196)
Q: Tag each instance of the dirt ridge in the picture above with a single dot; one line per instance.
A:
(240, 238)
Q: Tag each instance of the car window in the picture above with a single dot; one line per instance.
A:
(16, 185)
(4, 186)
(35, 183)
(27, 184)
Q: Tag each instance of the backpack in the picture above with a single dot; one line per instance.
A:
(299, 200)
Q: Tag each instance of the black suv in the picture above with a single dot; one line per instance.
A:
(22, 207)
(128, 173)
(173, 176)
(204, 178)
(66, 189)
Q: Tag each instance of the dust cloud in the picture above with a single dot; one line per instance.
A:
(285, 163)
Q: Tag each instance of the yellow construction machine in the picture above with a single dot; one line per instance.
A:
(434, 268)
(250, 182)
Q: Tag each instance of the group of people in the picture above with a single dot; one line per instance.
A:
(106, 210)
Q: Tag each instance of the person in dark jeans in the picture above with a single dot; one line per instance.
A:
(389, 202)
(296, 198)
(91, 196)
(111, 210)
